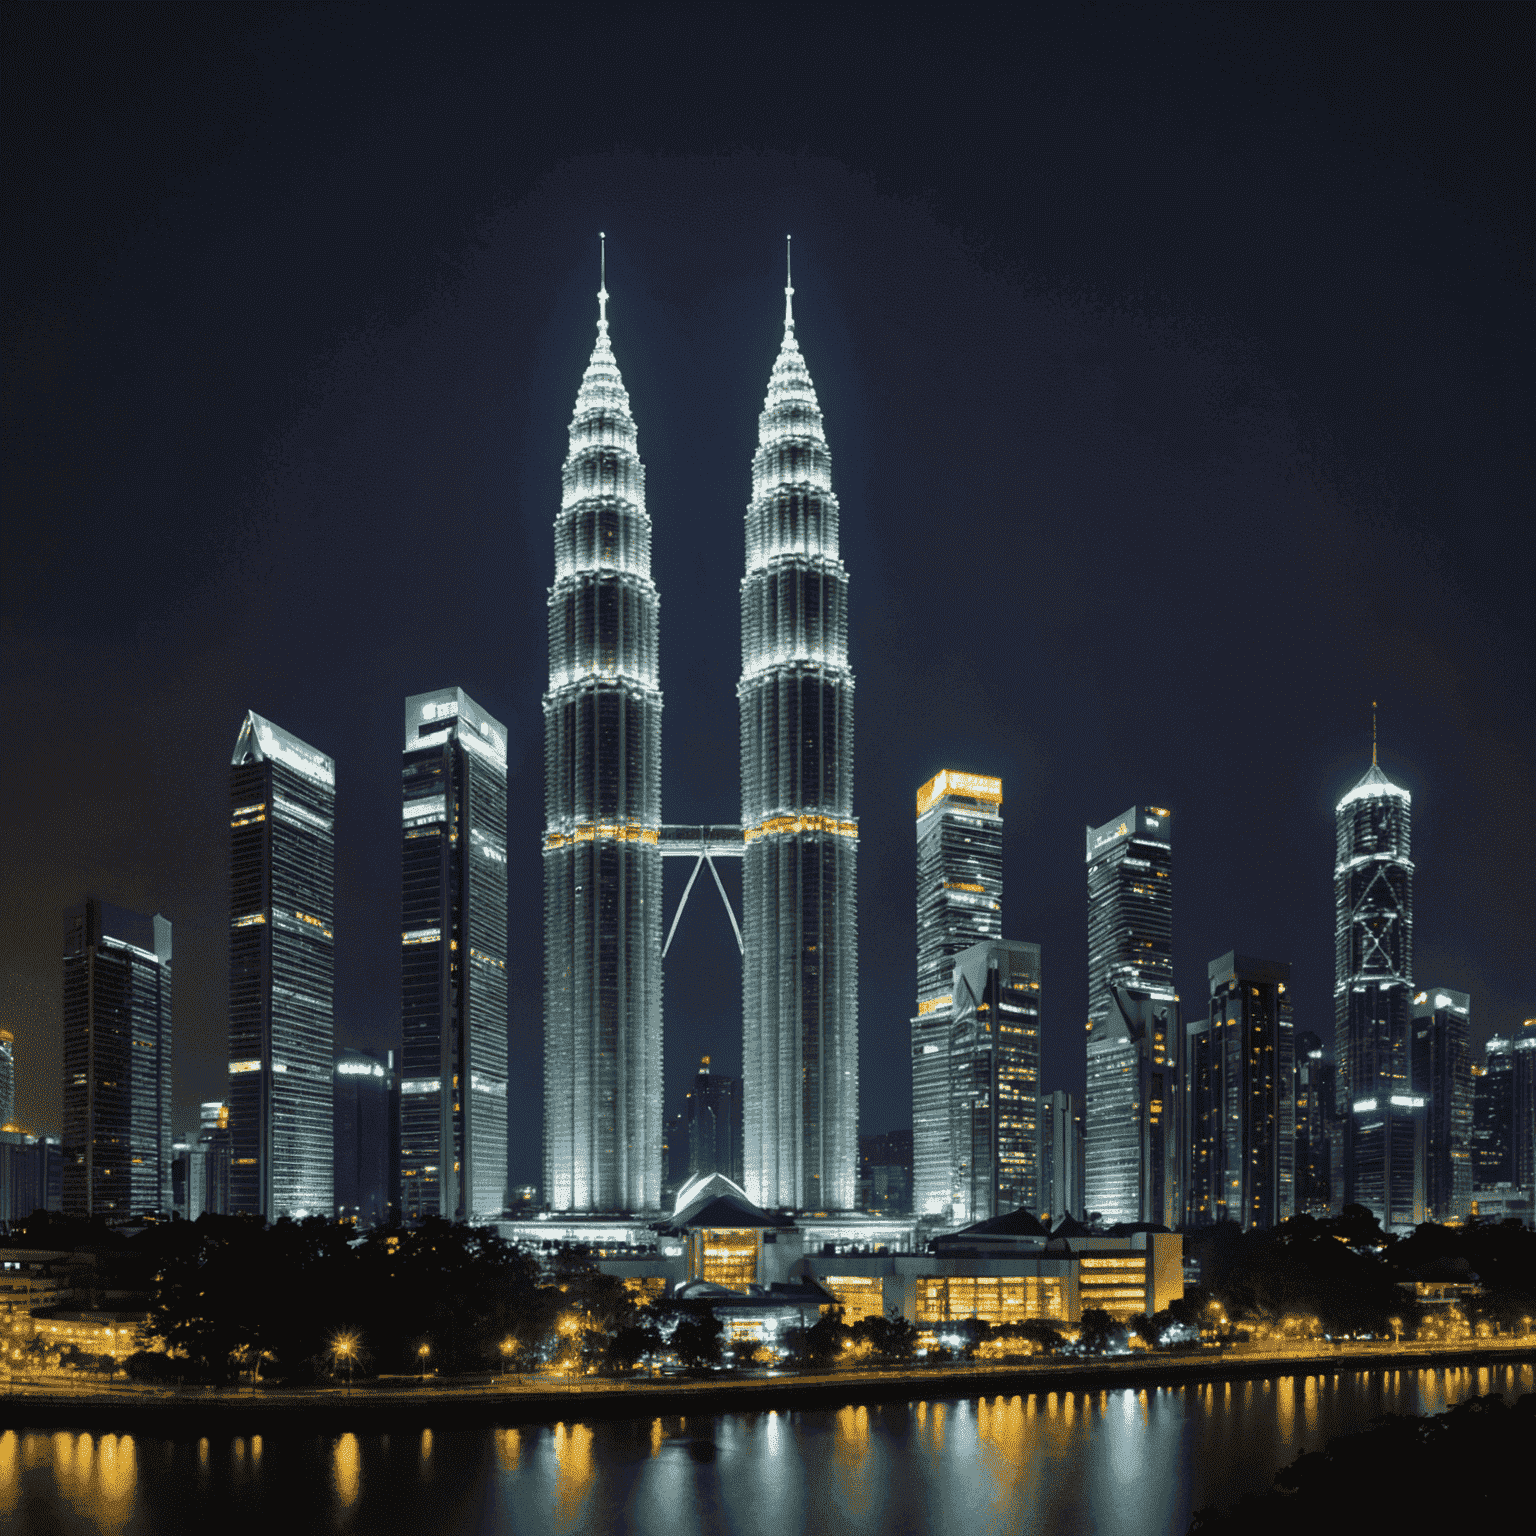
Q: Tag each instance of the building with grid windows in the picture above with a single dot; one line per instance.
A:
(959, 903)
(800, 1055)
(1315, 1133)
(602, 795)
(1061, 1154)
(1442, 1075)
(1132, 1109)
(1382, 1115)
(994, 1081)
(282, 936)
(117, 1062)
(453, 960)
(1239, 1097)
(714, 1124)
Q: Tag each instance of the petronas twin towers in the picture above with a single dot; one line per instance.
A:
(604, 838)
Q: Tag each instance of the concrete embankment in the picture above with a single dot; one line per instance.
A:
(380, 1409)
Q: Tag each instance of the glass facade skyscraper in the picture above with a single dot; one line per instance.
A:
(994, 1081)
(1061, 1155)
(1240, 1098)
(1133, 1120)
(117, 1062)
(959, 903)
(1383, 1117)
(714, 1125)
(602, 797)
(367, 1100)
(453, 959)
(800, 1073)
(282, 937)
(7, 1077)
(1442, 1075)
(1314, 1127)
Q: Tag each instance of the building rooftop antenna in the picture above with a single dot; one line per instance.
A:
(602, 280)
(789, 289)
(1373, 733)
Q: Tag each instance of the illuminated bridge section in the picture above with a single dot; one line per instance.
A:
(601, 846)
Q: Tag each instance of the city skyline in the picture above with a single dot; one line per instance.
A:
(1014, 418)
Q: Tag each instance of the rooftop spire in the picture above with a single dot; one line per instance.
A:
(602, 283)
(1373, 733)
(789, 290)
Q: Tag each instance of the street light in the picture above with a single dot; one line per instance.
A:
(508, 1349)
(344, 1348)
(423, 1352)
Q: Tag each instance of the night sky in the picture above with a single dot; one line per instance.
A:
(1176, 367)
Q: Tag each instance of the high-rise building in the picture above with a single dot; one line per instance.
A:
(453, 965)
(117, 1062)
(800, 971)
(1061, 1155)
(1383, 1117)
(1314, 1127)
(994, 1081)
(885, 1173)
(602, 797)
(714, 1125)
(367, 1128)
(1504, 1119)
(959, 903)
(7, 1077)
(1442, 1076)
(214, 1138)
(1132, 1116)
(282, 928)
(30, 1174)
(1240, 1097)
(189, 1179)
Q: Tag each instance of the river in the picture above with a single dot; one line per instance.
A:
(1120, 1462)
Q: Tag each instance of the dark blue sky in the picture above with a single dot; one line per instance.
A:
(1176, 366)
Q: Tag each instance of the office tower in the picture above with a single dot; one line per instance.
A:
(1493, 1116)
(453, 960)
(29, 1174)
(674, 1155)
(1132, 1172)
(800, 1038)
(959, 903)
(1314, 1126)
(7, 1077)
(218, 1152)
(367, 1136)
(994, 1081)
(714, 1125)
(281, 969)
(117, 1062)
(1061, 1155)
(1383, 1118)
(885, 1173)
(189, 1179)
(1240, 1097)
(1442, 1076)
(602, 795)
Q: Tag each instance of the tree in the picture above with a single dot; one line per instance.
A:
(697, 1340)
(1100, 1334)
(629, 1345)
(892, 1338)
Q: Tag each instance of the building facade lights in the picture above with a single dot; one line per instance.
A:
(800, 957)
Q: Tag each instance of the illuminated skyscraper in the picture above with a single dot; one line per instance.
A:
(1373, 982)
(1240, 1097)
(714, 1125)
(7, 1077)
(1315, 1120)
(959, 903)
(1061, 1155)
(453, 966)
(602, 797)
(117, 1062)
(367, 1099)
(281, 973)
(1133, 1022)
(994, 1081)
(1442, 1075)
(800, 972)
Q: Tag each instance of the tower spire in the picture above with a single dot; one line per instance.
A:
(789, 290)
(602, 282)
(1373, 733)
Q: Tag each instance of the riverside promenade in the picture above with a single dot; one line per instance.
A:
(398, 1403)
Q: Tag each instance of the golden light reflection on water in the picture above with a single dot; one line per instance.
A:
(1285, 1405)
(509, 1449)
(938, 1426)
(573, 1476)
(256, 1452)
(1309, 1405)
(10, 1475)
(655, 1437)
(202, 1453)
(346, 1469)
(426, 1445)
(854, 1485)
(98, 1478)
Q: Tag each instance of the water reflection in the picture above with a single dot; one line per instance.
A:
(1119, 1462)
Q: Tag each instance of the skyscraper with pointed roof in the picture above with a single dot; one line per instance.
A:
(602, 784)
(800, 970)
(282, 876)
(1383, 1117)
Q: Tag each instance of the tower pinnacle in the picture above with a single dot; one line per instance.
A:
(1373, 733)
(789, 290)
(602, 283)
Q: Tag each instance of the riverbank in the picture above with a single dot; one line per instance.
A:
(405, 1404)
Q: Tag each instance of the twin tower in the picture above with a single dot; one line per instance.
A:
(604, 838)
